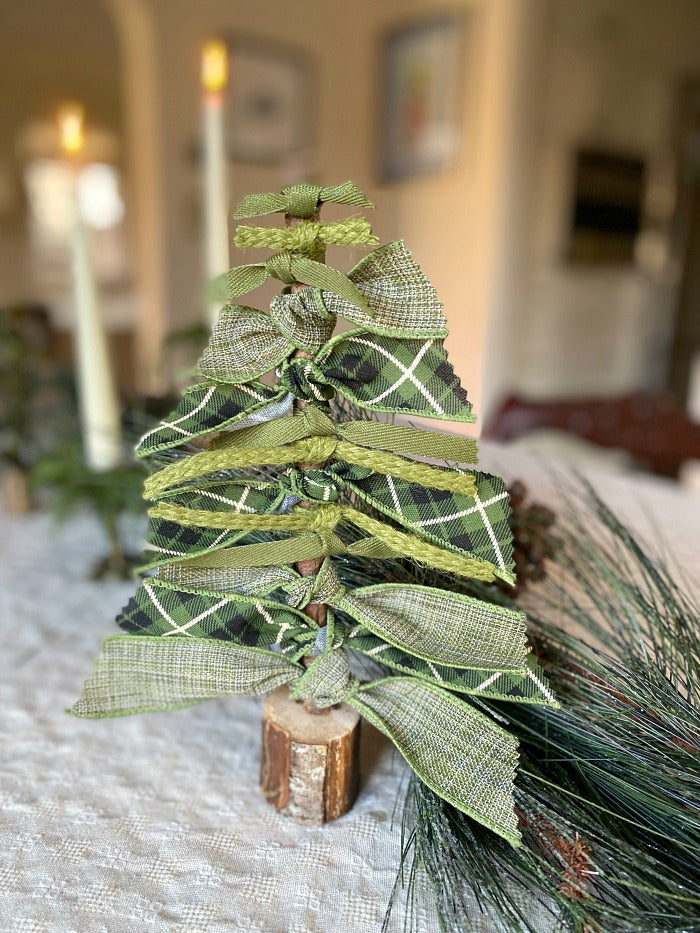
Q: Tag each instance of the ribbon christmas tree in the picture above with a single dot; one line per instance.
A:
(251, 479)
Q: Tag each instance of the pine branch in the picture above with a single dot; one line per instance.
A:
(609, 789)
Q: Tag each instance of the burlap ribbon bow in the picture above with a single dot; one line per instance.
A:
(218, 641)
(396, 363)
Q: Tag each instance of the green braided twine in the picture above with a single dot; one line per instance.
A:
(309, 236)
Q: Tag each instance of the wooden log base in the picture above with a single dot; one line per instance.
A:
(310, 761)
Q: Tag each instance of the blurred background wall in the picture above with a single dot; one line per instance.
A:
(565, 113)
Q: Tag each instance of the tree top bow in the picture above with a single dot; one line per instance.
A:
(301, 200)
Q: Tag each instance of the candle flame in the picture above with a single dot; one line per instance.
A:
(70, 124)
(214, 65)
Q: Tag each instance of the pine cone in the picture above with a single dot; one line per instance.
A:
(533, 540)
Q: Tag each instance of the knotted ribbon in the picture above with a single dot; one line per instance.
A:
(301, 200)
(319, 531)
(457, 751)
(312, 449)
(464, 512)
(371, 369)
(289, 268)
(398, 301)
(258, 608)
(386, 374)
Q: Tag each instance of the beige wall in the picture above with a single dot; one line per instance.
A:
(612, 73)
(463, 224)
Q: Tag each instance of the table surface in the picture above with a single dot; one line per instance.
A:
(155, 822)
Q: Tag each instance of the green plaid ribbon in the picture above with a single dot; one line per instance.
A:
(215, 630)
(436, 626)
(378, 368)
(378, 373)
(386, 374)
(401, 301)
(208, 406)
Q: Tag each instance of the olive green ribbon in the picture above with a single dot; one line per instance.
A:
(289, 268)
(301, 200)
(461, 754)
(396, 300)
(377, 435)
(442, 628)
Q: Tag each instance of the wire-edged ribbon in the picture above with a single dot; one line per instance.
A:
(395, 364)
(179, 532)
(301, 200)
(397, 301)
(408, 377)
(454, 632)
(216, 641)
(168, 540)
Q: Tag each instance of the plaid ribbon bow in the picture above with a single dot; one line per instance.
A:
(377, 373)
(216, 630)
(395, 364)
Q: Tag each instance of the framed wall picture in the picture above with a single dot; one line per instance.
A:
(268, 102)
(422, 78)
(607, 206)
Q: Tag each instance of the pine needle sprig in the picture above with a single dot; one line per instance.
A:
(608, 793)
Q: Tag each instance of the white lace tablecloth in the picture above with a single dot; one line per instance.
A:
(155, 822)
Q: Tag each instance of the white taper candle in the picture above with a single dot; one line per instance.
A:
(99, 407)
(214, 78)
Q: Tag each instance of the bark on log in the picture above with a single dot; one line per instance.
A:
(310, 762)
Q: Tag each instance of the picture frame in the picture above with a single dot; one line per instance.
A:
(422, 71)
(607, 205)
(269, 102)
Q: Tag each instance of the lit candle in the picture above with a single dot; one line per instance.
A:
(214, 80)
(99, 408)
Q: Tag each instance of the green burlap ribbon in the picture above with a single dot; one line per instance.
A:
(378, 373)
(397, 301)
(378, 368)
(301, 200)
(464, 756)
(262, 608)
(458, 752)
